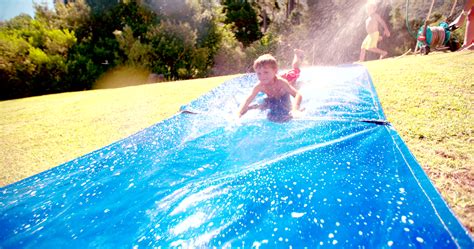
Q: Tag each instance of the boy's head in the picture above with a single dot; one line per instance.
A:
(265, 60)
(266, 68)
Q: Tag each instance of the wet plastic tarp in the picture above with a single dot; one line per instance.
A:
(339, 176)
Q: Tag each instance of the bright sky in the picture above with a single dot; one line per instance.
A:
(12, 8)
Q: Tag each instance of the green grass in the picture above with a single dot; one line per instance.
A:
(428, 99)
(39, 133)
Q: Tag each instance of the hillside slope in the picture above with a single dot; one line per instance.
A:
(428, 99)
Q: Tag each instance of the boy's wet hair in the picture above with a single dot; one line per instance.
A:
(265, 60)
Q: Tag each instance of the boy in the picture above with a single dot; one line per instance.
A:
(372, 28)
(277, 89)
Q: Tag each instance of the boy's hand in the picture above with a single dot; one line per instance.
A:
(241, 112)
(296, 113)
(386, 33)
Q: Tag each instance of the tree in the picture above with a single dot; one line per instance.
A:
(139, 55)
(101, 6)
(98, 49)
(74, 15)
(33, 57)
(243, 18)
(290, 7)
(182, 44)
(174, 48)
(266, 7)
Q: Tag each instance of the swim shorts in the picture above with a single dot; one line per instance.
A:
(279, 108)
(370, 40)
(291, 75)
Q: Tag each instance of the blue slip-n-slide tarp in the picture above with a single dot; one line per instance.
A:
(340, 176)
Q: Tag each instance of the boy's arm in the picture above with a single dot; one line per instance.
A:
(382, 22)
(297, 102)
(296, 94)
(245, 106)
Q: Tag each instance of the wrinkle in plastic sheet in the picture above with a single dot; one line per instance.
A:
(329, 178)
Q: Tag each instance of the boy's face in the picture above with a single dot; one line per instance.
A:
(266, 74)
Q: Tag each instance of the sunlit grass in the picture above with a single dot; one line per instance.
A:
(428, 99)
(42, 132)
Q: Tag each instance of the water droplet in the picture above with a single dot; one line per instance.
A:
(404, 219)
(256, 244)
(297, 215)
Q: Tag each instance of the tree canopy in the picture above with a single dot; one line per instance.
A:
(71, 46)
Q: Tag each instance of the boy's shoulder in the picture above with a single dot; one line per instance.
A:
(282, 80)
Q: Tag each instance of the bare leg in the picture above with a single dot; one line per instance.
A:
(362, 54)
(469, 47)
(382, 53)
(298, 58)
(469, 35)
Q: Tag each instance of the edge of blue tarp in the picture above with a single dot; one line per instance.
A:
(443, 211)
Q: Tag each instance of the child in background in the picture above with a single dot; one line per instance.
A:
(373, 36)
(277, 89)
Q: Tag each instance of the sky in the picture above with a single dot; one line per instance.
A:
(12, 8)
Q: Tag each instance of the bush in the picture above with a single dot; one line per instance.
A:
(33, 58)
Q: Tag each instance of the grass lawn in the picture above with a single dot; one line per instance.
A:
(39, 133)
(428, 99)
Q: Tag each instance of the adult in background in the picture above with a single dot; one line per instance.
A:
(467, 12)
